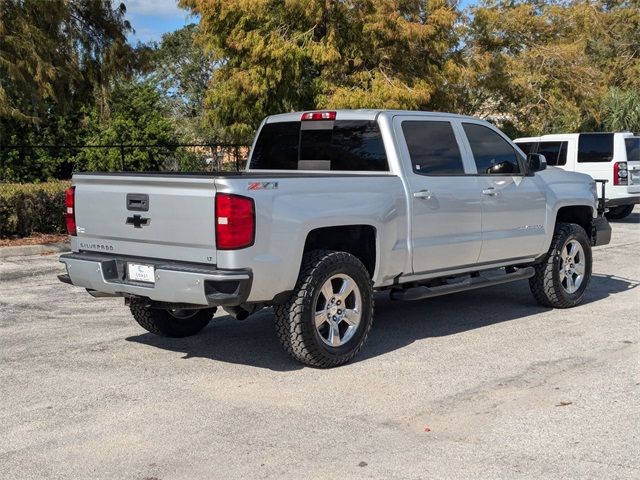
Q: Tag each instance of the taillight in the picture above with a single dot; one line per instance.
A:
(235, 221)
(318, 116)
(620, 173)
(70, 210)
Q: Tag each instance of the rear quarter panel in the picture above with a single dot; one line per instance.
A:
(285, 215)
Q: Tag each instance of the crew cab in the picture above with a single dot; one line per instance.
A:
(333, 206)
(613, 157)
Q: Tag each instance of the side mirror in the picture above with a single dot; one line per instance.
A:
(536, 162)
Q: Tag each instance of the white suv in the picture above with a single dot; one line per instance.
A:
(614, 157)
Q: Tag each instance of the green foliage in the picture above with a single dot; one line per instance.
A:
(56, 53)
(32, 208)
(547, 66)
(621, 110)
(138, 116)
(58, 60)
(277, 56)
(182, 70)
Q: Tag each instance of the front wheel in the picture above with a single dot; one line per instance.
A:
(327, 319)
(618, 213)
(561, 279)
(170, 322)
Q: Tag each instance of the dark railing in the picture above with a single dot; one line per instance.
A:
(131, 157)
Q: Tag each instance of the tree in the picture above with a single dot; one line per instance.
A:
(138, 115)
(277, 56)
(546, 66)
(58, 59)
(182, 70)
(621, 110)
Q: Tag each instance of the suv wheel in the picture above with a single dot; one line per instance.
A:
(618, 213)
(562, 277)
(327, 319)
(170, 322)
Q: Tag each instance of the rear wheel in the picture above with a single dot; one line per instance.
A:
(170, 322)
(562, 277)
(327, 319)
(618, 213)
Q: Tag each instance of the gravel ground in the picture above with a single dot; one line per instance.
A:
(483, 384)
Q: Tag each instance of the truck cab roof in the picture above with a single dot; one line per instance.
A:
(361, 114)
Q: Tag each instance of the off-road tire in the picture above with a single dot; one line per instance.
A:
(294, 320)
(545, 284)
(618, 213)
(163, 323)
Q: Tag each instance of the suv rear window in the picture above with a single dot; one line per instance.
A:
(341, 145)
(595, 147)
(633, 149)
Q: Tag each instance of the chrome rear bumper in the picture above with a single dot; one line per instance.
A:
(175, 282)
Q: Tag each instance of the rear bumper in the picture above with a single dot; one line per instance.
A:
(616, 202)
(601, 234)
(176, 282)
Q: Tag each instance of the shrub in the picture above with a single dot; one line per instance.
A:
(28, 208)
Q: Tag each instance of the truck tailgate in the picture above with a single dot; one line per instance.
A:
(152, 216)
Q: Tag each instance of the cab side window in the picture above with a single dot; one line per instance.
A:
(492, 153)
(432, 147)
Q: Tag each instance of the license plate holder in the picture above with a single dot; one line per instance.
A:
(138, 272)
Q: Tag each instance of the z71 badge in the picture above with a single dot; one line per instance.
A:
(262, 186)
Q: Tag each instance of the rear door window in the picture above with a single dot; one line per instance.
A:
(595, 147)
(432, 147)
(492, 153)
(341, 145)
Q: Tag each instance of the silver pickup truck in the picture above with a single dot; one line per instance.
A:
(333, 206)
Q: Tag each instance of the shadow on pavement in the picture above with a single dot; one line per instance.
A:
(633, 218)
(397, 324)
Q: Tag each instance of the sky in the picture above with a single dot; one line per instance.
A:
(152, 18)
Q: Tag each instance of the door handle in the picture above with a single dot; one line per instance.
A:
(491, 192)
(426, 194)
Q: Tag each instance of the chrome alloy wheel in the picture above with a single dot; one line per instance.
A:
(572, 266)
(338, 310)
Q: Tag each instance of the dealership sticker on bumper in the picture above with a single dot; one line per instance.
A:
(141, 273)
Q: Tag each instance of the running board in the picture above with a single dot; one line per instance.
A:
(419, 293)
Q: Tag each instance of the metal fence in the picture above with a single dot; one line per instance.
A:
(61, 161)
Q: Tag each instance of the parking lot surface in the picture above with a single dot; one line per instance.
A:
(483, 384)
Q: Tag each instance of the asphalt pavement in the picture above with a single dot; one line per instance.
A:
(482, 384)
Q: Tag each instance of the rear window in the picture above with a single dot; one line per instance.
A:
(595, 147)
(341, 145)
(633, 149)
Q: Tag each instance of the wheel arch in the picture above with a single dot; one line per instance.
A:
(579, 214)
(359, 240)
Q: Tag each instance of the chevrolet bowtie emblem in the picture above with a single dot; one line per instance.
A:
(138, 221)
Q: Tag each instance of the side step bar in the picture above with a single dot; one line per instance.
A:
(419, 293)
